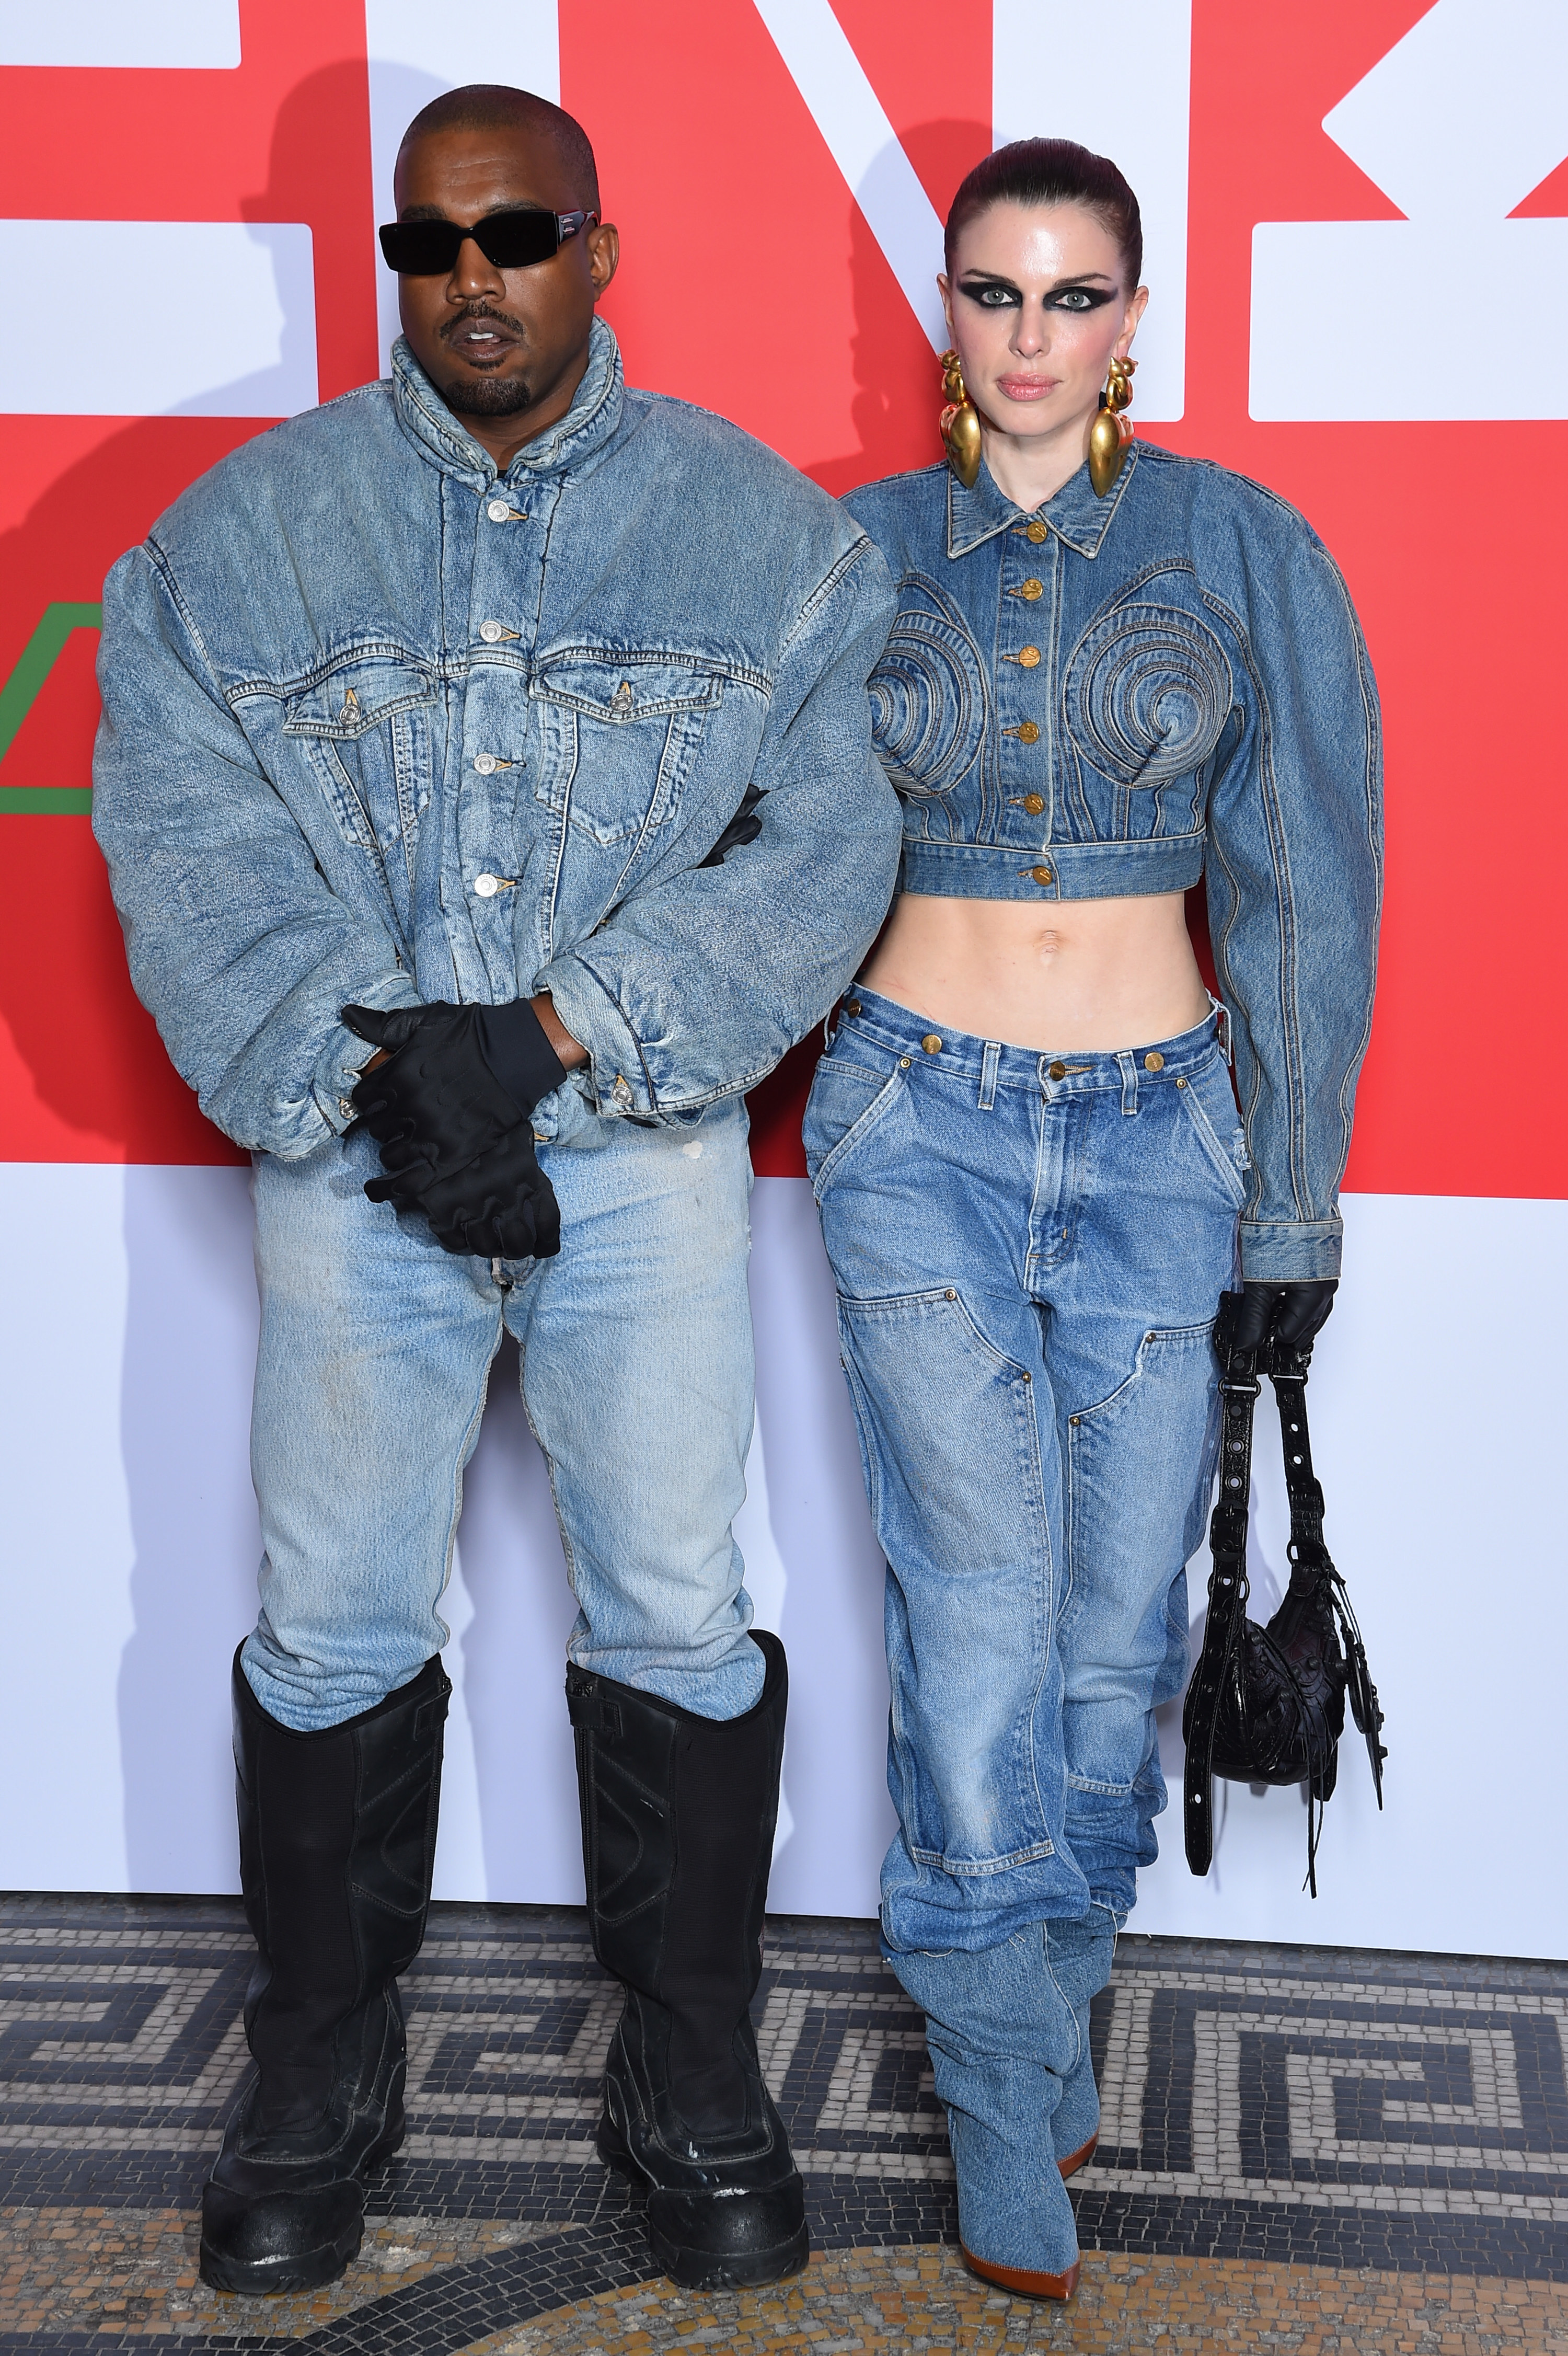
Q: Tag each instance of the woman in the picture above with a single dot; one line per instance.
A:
(1102, 685)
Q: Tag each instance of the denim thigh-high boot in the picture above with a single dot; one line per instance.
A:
(1005, 2044)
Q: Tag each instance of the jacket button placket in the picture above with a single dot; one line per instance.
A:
(1028, 582)
(501, 603)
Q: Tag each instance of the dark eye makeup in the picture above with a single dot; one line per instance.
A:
(1001, 294)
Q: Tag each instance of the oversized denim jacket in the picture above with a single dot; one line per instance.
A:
(378, 726)
(1124, 695)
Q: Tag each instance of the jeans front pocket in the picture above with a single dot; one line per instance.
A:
(847, 1100)
(1210, 1106)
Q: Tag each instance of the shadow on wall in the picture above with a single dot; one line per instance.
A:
(189, 1354)
(101, 1086)
(897, 385)
(509, 1658)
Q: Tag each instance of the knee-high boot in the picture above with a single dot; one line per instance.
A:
(336, 1846)
(677, 1833)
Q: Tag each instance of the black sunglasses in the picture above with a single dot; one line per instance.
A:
(513, 239)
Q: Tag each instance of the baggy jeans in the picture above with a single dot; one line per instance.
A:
(375, 1348)
(1029, 1252)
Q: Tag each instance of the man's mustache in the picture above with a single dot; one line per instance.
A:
(482, 311)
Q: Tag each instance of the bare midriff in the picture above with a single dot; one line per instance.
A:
(1083, 976)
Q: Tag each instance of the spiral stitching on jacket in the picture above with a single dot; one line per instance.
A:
(928, 702)
(1148, 690)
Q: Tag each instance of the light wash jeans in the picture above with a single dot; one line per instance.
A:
(636, 1374)
(1029, 1252)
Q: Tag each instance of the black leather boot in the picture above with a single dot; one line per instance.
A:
(678, 1836)
(337, 1845)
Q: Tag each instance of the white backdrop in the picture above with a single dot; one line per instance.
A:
(1434, 1415)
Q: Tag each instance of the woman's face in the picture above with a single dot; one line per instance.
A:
(1038, 311)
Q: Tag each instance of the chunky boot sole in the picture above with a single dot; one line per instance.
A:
(315, 2236)
(1020, 2281)
(684, 2260)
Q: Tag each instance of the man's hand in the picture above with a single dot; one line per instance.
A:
(449, 1099)
(1290, 1315)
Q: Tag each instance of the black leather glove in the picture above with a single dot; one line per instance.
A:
(450, 1109)
(744, 827)
(1289, 1314)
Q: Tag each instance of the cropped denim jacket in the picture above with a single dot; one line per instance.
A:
(381, 726)
(1125, 695)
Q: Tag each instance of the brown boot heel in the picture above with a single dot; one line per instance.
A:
(1019, 2280)
(1079, 2158)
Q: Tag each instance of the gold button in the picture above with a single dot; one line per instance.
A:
(932, 1044)
(1181, 1083)
(1028, 657)
(1042, 874)
(853, 1007)
(1037, 532)
(1029, 590)
(1057, 1071)
(1034, 804)
(1074, 1420)
(1029, 1378)
(903, 1063)
(1153, 1062)
(950, 1295)
(1026, 732)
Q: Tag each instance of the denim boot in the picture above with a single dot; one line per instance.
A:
(1078, 1956)
(1004, 2043)
(336, 1844)
(678, 1836)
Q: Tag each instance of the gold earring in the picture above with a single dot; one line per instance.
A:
(960, 423)
(1110, 434)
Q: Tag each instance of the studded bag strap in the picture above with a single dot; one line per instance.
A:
(1219, 1659)
(1309, 1555)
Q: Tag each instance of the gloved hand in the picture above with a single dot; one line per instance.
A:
(1289, 1314)
(450, 1108)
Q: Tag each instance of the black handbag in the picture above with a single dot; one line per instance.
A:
(1267, 1705)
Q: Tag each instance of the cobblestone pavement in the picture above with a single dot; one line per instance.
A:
(1301, 2149)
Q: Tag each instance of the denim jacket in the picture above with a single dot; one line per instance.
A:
(381, 726)
(1123, 695)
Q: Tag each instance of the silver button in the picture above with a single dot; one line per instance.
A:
(487, 764)
(498, 511)
(346, 1107)
(487, 886)
(492, 633)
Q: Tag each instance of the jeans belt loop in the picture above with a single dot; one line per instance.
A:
(1223, 1026)
(988, 1063)
(1130, 1072)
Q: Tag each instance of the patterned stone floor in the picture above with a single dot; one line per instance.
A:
(1301, 2150)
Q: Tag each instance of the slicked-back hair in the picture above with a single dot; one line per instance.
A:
(495, 105)
(1052, 172)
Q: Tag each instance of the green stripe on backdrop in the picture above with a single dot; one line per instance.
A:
(19, 694)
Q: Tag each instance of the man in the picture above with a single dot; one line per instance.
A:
(486, 785)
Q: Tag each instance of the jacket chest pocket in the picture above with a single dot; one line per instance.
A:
(367, 732)
(618, 741)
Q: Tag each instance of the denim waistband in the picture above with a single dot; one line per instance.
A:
(991, 1064)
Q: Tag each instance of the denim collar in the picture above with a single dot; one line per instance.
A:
(591, 420)
(1074, 513)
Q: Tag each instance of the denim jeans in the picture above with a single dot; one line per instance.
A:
(1029, 1252)
(375, 1355)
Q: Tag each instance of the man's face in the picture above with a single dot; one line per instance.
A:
(506, 346)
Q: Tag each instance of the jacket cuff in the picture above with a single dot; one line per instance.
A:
(345, 1054)
(1291, 1251)
(616, 1074)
